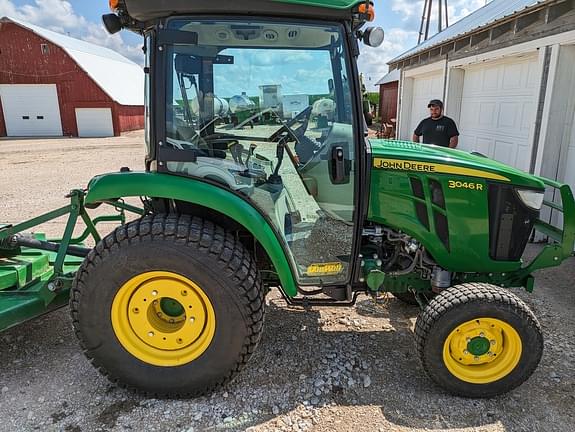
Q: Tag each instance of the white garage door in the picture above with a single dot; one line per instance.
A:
(498, 110)
(31, 109)
(424, 89)
(94, 122)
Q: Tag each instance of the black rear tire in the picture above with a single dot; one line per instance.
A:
(185, 247)
(462, 308)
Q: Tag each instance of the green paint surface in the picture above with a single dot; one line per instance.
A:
(158, 185)
(392, 202)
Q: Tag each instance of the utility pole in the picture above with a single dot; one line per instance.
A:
(443, 17)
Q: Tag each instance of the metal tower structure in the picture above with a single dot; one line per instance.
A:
(443, 14)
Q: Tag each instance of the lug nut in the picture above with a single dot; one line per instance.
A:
(151, 333)
(154, 293)
(465, 352)
(481, 334)
(492, 341)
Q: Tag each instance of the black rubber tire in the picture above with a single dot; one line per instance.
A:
(194, 248)
(466, 302)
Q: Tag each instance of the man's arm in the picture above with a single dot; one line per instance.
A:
(453, 134)
(453, 141)
(417, 132)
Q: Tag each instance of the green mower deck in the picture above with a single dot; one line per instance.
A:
(36, 273)
(25, 288)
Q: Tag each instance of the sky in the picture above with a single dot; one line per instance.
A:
(81, 19)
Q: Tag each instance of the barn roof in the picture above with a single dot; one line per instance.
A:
(389, 77)
(488, 14)
(118, 77)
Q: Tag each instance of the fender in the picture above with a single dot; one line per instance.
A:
(127, 184)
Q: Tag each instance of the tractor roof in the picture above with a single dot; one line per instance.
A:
(145, 10)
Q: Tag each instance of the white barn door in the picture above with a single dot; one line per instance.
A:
(498, 110)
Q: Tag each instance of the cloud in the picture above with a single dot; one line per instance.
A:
(373, 61)
(59, 16)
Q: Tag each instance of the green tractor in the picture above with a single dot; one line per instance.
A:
(171, 303)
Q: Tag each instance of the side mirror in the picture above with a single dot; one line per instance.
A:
(373, 36)
(112, 23)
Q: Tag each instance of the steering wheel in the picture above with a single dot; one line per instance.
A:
(304, 115)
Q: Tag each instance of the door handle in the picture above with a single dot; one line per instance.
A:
(337, 171)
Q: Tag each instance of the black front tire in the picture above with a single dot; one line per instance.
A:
(477, 302)
(192, 248)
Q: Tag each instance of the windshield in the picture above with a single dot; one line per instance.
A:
(260, 107)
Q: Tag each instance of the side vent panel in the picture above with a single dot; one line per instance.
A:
(437, 196)
(417, 187)
(421, 211)
(442, 228)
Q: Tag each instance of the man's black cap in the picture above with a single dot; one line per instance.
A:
(435, 102)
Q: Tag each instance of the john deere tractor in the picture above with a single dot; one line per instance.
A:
(172, 302)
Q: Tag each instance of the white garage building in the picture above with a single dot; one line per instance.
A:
(507, 76)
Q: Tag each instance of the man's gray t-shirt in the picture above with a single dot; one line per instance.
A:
(437, 132)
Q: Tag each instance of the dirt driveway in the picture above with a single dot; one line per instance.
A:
(327, 369)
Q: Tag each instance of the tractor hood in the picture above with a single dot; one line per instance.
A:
(409, 156)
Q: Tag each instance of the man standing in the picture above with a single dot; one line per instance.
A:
(437, 129)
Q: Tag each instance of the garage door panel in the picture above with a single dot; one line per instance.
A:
(523, 157)
(484, 146)
(527, 115)
(496, 119)
(508, 115)
(31, 109)
(505, 151)
(425, 89)
(486, 113)
(94, 122)
(490, 79)
(512, 77)
(533, 75)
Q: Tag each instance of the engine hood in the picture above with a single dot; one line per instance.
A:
(409, 156)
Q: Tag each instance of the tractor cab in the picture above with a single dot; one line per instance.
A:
(267, 107)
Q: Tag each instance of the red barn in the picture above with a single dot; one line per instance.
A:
(388, 90)
(55, 85)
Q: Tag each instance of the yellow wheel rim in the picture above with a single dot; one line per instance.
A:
(163, 319)
(482, 350)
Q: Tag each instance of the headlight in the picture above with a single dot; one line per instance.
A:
(532, 199)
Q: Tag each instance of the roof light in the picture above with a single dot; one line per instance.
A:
(114, 4)
(373, 36)
(370, 12)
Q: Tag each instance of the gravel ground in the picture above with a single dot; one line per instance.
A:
(329, 369)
